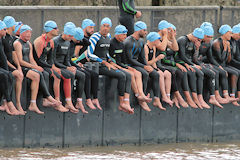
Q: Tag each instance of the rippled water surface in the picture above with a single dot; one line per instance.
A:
(187, 151)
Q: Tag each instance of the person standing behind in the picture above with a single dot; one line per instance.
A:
(127, 13)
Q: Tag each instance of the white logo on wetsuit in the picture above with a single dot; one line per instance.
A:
(104, 45)
(64, 47)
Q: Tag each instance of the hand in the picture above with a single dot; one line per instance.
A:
(189, 67)
(171, 33)
(108, 65)
(165, 32)
(40, 69)
(20, 70)
(226, 45)
(149, 69)
(197, 66)
(138, 14)
(131, 69)
(58, 70)
(182, 68)
(223, 70)
(197, 45)
(72, 69)
(80, 64)
(160, 56)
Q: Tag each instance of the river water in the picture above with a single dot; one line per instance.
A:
(186, 151)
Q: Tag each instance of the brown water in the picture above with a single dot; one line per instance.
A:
(186, 151)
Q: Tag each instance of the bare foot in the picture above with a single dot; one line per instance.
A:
(127, 108)
(2, 108)
(33, 107)
(167, 100)
(80, 106)
(5, 108)
(191, 103)
(12, 108)
(222, 100)
(182, 102)
(196, 101)
(158, 104)
(71, 107)
(90, 104)
(175, 101)
(61, 108)
(96, 102)
(204, 104)
(144, 98)
(47, 103)
(215, 102)
(235, 103)
(144, 106)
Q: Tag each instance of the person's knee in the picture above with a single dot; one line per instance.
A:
(35, 76)
(19, 76)
(167, 74)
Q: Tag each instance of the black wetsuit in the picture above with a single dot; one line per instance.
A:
(99, 51)
(116, 52)
(186, 53)
(25, 56)
(84, 43)
(235, 51)
(127, 12)
(7, 42)
(6, 77)
(91, 81)
(179, 78)
(134, 50)
(62, 61)
(221, 58)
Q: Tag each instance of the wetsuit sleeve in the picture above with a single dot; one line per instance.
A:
(142, 55)
(37, 51)
(59, 65)
(168, 61)
(90, 51)
(235, 61)
(195, 57)
(216, 54)
(127, 8)
(182, 51)
(3, 62)
(128, 48)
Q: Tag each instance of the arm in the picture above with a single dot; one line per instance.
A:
(38, 49)
(168, 62)
(216, 53)
(195, 57)
(32, 61)
(127, 8)
(15, 59)
(153, 60)
(93, 40)
(162, 45)
(182, 51)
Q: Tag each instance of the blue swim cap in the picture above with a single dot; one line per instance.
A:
(69, 29)
(236, 29)
(25, 28)
(224, 29)
(139, 25)
(153, 36)
(172, 26)
(70, 23)
(208, 30)
(78, 34)
(120, 29)
(106, 20)
(18, 25)
(199, 33)
(9, 21)
(87, 22)
(2, 25)
(49, 25)
(163, 24)
(204, 24)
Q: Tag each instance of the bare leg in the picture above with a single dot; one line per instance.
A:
(35, 77)
(70, 106)
(230, 99)
(18, 88)
(168, 82)
(90, 104)
(180, 99)
(124, 107)
(162, 88)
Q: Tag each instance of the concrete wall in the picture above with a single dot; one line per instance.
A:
(113, 127)
(184, 18)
